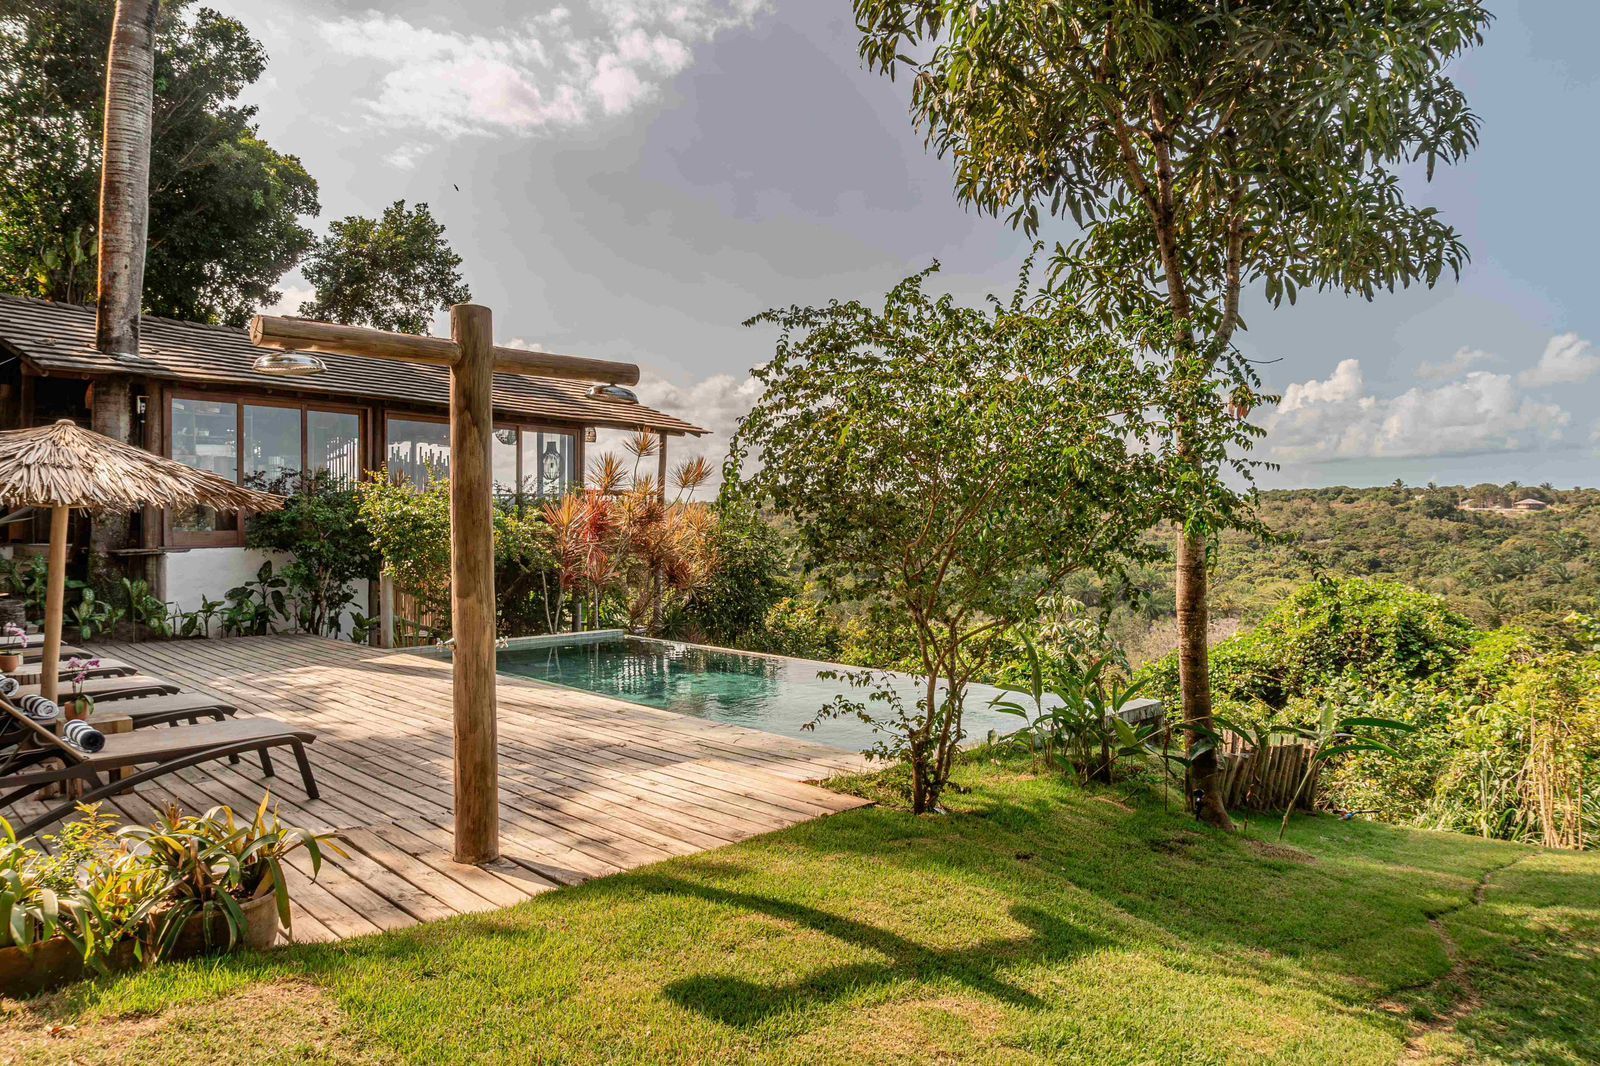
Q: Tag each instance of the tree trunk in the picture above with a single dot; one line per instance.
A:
(124, 221)
(125, 175)
(1194, 674)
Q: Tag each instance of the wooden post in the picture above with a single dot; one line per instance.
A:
(661, 465)
(477, 793)
(55, 594)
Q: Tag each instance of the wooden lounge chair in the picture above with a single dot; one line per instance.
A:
(152, 711)
(35, 650)
(31, 674)
(155, 752)
(101, 689)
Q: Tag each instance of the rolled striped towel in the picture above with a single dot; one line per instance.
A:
(39, 709)
(83, 736)
(9, 686)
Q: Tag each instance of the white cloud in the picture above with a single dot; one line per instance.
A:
(1339, 418)
(1464, 359)
(1567, 359)
(525, 344)
(551, 71)
(288, 303)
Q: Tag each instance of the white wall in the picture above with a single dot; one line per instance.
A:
(213, 571)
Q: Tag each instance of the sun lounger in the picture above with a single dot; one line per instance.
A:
(30, 673)
(35, 650)
(155, 752)
(101, 689)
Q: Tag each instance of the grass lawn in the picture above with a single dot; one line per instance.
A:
(1037, 922)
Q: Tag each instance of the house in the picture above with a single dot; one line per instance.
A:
(1530, 504)
(191, 394)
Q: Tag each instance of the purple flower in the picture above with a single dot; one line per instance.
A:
(16, 631)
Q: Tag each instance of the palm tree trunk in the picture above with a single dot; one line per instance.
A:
(124, 224)
(125, 175)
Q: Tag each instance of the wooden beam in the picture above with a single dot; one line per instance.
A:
(54, 603)
(477, 792)
(324, 338)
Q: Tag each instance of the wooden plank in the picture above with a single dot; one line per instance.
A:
(588, 786)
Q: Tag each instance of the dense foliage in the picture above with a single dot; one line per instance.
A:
(394, 272)
(1505, 723)
(742, 592)
(410, 531)
(224, 205)
(1203, 150)
(328, 545)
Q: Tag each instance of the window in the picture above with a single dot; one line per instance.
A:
(255, 444)
(414, 447)
(205, 435)
(549, 463)
(271, 446)
(333, 443)
(527, 464)
(504, 458)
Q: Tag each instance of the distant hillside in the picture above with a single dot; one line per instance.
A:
(1496, 566)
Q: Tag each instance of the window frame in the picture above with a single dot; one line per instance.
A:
(574, 430)
(235, 537)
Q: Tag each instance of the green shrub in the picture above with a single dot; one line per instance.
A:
(751, 576)
(798, 626)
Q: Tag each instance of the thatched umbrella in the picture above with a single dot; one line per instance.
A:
(64, 466)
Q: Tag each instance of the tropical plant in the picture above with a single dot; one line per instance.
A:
(327, 544)
(750, 578)
(91, 615)
(923, 452)
(1077, 708)
(253, 605)
(1201, 149)
(217, 863)
(622, 538)
(144, 608)
(1331, 737)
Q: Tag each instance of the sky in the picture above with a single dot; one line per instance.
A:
(632, 179)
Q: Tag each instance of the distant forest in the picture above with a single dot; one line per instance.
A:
(1494, 564)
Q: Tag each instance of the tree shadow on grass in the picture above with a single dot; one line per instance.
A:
(738, 1001)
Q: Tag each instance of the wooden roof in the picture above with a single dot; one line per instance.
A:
(59, 338)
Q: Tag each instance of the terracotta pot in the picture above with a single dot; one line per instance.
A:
(260, 931)
(10, 663)
(77, 708)
(54, 962)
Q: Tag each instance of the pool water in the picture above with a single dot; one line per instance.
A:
(759, 691)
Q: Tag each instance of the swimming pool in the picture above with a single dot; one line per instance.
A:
(769, 692)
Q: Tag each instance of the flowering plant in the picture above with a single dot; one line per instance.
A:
(18, 636)
(79, 669)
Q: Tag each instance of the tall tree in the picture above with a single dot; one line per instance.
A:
(124, 220)
(395, 272)
(1203, 147)
(224, 206)
(125, 175)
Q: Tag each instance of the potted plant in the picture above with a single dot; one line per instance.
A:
(79, 705)
(105, 900)
(15, 643)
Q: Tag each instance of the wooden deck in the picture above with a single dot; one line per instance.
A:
(589, 786)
